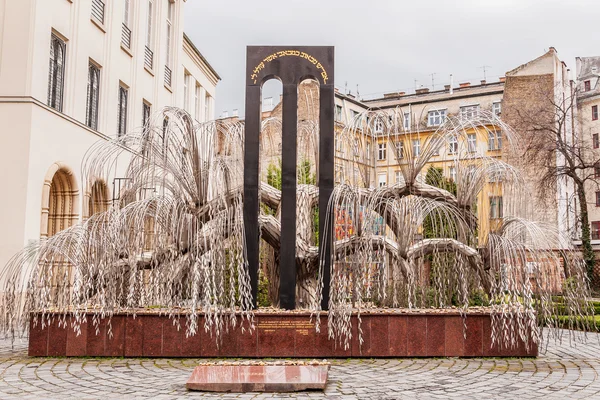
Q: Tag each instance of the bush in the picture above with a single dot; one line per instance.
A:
(263, 290)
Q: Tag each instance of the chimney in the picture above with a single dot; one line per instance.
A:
(393, 94)
(483, 82)
(502, 79)
(422, 91)
(464, 84)
(268, 104)
(225, 114)
(552, 50)
(235, 113)
(447, 88)
(451, 83)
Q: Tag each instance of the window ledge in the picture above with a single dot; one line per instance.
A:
(169, 88)
(99, 24)
(126, 50)
(150, 71)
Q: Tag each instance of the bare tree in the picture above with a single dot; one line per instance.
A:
(554, 143)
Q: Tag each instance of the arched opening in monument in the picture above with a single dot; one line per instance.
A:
(270, 172)
(60, 201)
(98, 199)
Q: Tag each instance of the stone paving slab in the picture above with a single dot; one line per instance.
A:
(562, 372)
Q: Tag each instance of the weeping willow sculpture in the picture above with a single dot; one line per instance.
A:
(175, 239)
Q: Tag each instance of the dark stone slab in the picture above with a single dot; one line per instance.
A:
(38, 339)
(269, 378)
(134, 336)
(115, 336)
(455, 340)
(474, 339)
(57, 345)
(96, 337)
(153, 335)
(275, 337)
(398, 336)
(436, 335)
(416, 334)
(361, 349)
(172, 337)
(380, 338)
(76, 344)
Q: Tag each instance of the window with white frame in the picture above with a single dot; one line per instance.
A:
(338, 173)
(186, 91)
(496, 207)
(338, 112)
(170, 13)
(400, 149)
(56, 76)
(122, 110)
(436, 117)
(381, 151)
(207, 100)
(378, 125)
(495, 140)
(149, 25)
(197, 111)
(356, 147)
(382, 180)
(126, 12)
(452, 145)
(452, 173)
(416, 147)
(469, 112)
(126, 31)
(496, 108)
(93, 96)
(406, 121)
(472, 142)
(399, 177)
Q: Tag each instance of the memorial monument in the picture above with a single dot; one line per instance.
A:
(172, 268)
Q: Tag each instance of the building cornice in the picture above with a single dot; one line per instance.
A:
(193, 52)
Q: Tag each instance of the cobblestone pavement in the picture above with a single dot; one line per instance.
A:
(563, 372)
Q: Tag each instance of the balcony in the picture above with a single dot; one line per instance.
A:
(168, 75)
(98, 10)
(148, 58)
(126, 37)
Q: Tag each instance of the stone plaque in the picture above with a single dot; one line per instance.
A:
(258, 378)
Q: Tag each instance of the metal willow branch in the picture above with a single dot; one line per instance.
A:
(175, 238)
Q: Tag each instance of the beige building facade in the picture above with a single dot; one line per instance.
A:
(73, 73)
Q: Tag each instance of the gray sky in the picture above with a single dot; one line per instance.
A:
(384, 45)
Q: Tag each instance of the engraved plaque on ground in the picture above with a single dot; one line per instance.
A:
(258, 378)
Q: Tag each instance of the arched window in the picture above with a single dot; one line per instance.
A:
(60, 201)
(98, 199)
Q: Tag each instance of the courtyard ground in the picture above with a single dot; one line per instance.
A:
(563, 372)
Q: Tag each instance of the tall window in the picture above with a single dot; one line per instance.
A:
(469, 112)
(587, 86)
(382, 180)
(597, 171)
(416, 145)
(338, 112)
(597, 199)
(472, 142)
(186, 92)
(170, 12)
(494, 140)
(207, 100)
(594, 113)
(595, 140)
(149, 27)
(382, 151)
(145, 114)
(399, 177)
(453, 145)
(93, 95)
(127, 5)
(400, 149)
(368, 151)
(452, 173)
(496, 207)
(497, 108)
(436, 117)
(197, 113)
(406, 122)
(56, 76)
(595, 230)
(126, 32)
(122, 112)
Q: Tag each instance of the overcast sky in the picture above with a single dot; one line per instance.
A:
(385, 45)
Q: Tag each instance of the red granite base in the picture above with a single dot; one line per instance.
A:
(277, 335)
(258, 378)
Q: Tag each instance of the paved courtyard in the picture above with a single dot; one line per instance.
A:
(563, 372)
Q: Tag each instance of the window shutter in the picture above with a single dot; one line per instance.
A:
(51, 71)
(60, 68)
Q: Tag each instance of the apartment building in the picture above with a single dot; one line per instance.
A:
(73, 72)
(588, 104)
